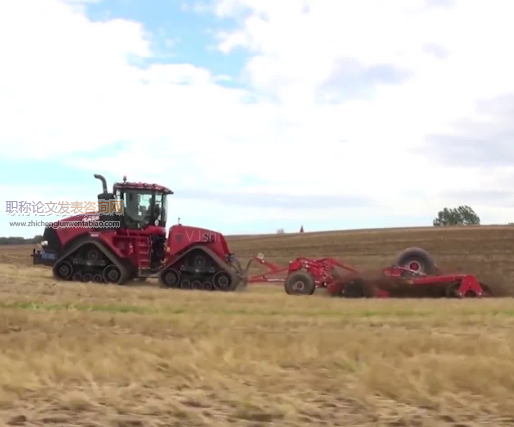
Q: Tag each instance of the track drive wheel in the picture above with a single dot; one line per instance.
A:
(300, 283)
(63, 271)
(170, 278)
(112, 275)
(418, 260)
(93, 254)
(222, 282)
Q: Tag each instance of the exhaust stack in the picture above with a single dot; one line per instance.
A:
(104, 182)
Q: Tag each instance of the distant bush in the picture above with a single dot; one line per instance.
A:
(280, 231)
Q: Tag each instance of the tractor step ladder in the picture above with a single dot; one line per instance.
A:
(143, 252)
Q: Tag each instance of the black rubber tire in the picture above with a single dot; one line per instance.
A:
(427, 263)
(308, 285)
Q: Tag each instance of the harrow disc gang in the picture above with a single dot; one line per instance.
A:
(413, 275)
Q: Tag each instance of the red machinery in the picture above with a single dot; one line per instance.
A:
(107, 247)
(117, 247)
(414, 274)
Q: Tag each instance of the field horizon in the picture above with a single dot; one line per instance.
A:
(75, 354)
(349, 230)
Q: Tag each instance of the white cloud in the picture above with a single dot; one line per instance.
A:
(298, 45)
(67, 85)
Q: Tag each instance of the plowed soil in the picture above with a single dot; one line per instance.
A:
(94, 355)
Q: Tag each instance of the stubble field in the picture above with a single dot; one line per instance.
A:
(137, 356)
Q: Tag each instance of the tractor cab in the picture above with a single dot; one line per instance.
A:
(136, 205)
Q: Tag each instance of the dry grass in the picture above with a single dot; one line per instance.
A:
(91, 355)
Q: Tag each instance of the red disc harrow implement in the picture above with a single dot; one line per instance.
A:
(414, 274)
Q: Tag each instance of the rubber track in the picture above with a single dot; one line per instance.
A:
(227, 267)
(73, 247)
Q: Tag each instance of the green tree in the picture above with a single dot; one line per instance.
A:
(463, 215)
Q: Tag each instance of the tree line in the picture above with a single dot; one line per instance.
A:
(20, 240)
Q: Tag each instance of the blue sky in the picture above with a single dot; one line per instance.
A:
(260, 115)
(178, 33)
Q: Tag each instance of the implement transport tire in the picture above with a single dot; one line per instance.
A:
(299, 283)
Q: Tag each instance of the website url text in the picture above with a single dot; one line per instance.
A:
(66, 224)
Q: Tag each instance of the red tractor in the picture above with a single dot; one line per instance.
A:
(129, 243)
